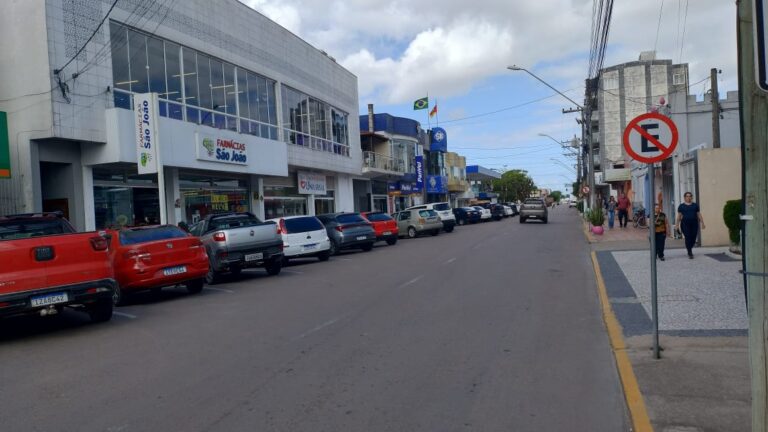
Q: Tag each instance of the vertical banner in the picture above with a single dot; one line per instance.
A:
(5, 147)
(419, 174)
(145, 124)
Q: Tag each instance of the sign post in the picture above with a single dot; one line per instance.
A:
(651, 138)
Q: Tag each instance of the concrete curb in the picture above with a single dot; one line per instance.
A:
(632, 395)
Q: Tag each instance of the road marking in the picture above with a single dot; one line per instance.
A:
(632, 395)
(220, 289)
(123, 314)
(478, 246)
(342, 259)
(412, 281)
(292, 271)
(450, 261)
(318, 328)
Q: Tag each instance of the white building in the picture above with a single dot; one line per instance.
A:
(225, 76)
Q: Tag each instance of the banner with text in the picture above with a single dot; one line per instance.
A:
(5, 147)
(313, 184)
(217, 149)
(419, 186)
(145, 120)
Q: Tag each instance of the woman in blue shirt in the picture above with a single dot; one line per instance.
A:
(688, 219)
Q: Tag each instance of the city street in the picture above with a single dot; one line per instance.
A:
(494, 327)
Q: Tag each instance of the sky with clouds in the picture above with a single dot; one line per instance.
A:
(458, 53)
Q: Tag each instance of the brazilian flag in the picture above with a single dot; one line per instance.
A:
(420, 104)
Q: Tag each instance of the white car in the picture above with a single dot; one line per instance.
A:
(443, 210)
(303, 236)
(508, 211)
(485, 214)
(571, 203)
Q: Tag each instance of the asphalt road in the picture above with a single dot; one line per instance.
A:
(494, 327)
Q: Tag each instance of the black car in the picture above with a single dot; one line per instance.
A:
(465, 215)
(497, 211)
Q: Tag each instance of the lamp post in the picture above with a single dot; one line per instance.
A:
(585, 131)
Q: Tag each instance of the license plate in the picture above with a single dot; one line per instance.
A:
(387, 232)
(361, 237)
(170, 271)
(310, 246)
(254, 257)
(49, 299)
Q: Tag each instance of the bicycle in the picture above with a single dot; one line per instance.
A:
(638, 218)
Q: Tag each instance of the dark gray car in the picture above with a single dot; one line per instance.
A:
(348, 231)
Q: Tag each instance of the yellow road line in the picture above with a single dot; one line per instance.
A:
(640, 420)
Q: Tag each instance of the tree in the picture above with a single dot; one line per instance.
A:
(514, 185)
(556, 195)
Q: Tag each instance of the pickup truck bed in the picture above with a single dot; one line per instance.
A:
(45, 265)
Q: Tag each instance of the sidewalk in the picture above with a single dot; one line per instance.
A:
(702, 381)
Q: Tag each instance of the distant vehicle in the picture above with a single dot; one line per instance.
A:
(384, 226)
(534, 208)
(572, 203)
(497, 211)
(156, 256)
(303, 236)
(485, 214)
(348, 231)
(235, 241)
(508, 211)
(465, 215)
(47, 266)
(515, 209)
(411, 223)
(443, 210)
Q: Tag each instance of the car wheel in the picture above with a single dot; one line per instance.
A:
(118, 297)
(367, 247)
(324, 255)
(544, 220)
(392, 241)
(411, 232)
(462, 222)
(334, 250)
(435, 232)
(212, 277)
(273, 267)
(195, 286)
(284, 261)
(522, 219)
(101, 311)
(449, 229)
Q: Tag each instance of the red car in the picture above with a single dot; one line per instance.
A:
(153, 257)
(384, 225)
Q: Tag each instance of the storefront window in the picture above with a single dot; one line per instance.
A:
(203, 195)
(325, 203)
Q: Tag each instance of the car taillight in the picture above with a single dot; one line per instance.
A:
(422, 221)
(138, 254)
(99, 243)
(281, 227)
(196, 243)
(339, 228)
(219, 236)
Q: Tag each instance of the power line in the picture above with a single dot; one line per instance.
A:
(56, 71)
(685, 22)
(505, 109)
(658, 27)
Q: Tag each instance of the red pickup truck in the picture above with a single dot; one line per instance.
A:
(46, 265)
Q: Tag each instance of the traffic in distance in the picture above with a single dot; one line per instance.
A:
(52, 266)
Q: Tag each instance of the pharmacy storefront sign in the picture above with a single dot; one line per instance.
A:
(223, 150)
(311, 184)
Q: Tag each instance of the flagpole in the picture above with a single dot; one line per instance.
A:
(437, 114)
(429, 125)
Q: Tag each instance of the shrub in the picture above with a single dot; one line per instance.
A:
(731, 212)
(596, 216)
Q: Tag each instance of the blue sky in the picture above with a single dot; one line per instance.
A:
(457, 52)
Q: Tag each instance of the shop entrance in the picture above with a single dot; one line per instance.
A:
(123, 198)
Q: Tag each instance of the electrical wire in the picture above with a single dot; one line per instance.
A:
(520, 105)
(658, 27)
(57, 71)
(682, 39)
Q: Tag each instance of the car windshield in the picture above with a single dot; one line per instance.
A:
(441, 207)
(234, 221)
(378, 217)
(145, 235)
(25, 228)
(302, 224)
(349, 218)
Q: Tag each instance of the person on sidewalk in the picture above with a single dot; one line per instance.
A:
(623, 206)
(611, 207)
(688, 220)
(661, 230)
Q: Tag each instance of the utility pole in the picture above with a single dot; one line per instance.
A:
(753, 106)
(715, 109)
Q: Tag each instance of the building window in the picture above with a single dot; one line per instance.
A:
(306, 122)
(198, 88)
(678, 79)
(610, 83)
(203, 195)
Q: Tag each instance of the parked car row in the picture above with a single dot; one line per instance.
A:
(47, 265)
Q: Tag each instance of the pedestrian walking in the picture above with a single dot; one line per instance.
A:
(611, 206)
(623, 206)
(688, 220)
(661, 230)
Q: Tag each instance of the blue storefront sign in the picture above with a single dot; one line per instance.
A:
(438, 140)
(419, 186)
(436, 184)
(406, 188)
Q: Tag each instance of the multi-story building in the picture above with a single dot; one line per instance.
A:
(624, 92)
(248, 115)
(456, 170)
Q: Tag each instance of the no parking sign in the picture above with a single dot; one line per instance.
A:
(650, 138)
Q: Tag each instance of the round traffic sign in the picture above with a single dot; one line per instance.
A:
(650, 137)
(585, 189)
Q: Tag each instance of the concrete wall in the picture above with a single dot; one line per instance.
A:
(719, 181)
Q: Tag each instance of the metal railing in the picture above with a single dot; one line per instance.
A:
(382, 162)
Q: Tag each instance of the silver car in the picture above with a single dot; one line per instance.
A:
(533, 208)
(411, 223)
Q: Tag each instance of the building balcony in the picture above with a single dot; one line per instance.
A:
(377, 165)
(457, 185)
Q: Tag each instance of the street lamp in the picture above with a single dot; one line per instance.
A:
(585, 130)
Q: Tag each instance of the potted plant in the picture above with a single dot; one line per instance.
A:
(596, 218)
(731, 212)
